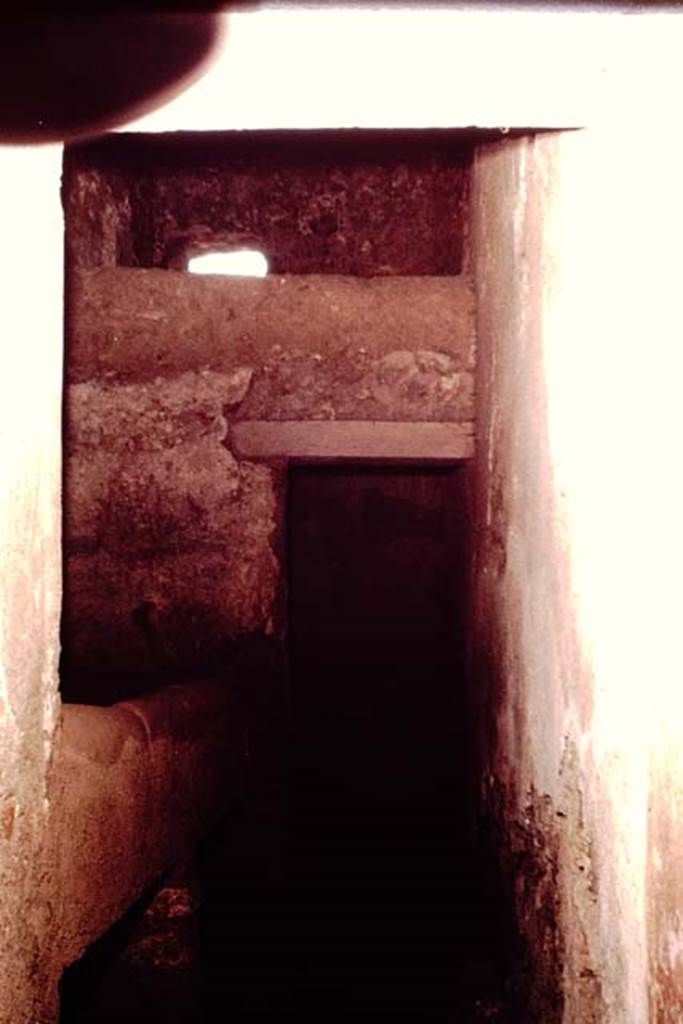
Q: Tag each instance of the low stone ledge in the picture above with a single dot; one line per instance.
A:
(134, 787)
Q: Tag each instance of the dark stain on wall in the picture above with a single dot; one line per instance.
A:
(520, 853)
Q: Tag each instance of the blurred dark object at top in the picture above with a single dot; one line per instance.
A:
(73, 74)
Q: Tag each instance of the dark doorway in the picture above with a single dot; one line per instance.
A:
(377, 563)
(380, 789)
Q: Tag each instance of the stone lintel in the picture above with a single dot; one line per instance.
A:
(351, 439)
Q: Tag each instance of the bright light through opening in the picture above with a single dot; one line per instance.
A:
(238, 263)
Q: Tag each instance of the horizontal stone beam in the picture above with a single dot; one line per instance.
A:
(134, 787)
(140, 324)
(351, 439)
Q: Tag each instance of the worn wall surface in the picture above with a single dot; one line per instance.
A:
(30, 397)
(172, 537)
(361, 203)
(168, 539)
(172, 541)
(560, 614)
(656, 571)
(97, 204)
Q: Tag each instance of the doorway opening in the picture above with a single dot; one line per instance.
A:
(389, 911)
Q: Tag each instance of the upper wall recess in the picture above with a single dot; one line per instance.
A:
(352, 202)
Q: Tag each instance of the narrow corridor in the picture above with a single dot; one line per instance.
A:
(350, 885)
(380, 910)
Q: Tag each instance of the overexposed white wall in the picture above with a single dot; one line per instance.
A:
(31, 258)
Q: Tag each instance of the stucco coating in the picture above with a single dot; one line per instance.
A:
(30, 462)
(563, 744)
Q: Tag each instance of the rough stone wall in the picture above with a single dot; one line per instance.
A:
(168, 538)
(359, 203)
(171, 541)
(563, 771)
(153, 488)
(98, 206)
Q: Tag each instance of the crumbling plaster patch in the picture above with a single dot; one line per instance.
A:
(352, 383)
(168, 536)
(100, 204)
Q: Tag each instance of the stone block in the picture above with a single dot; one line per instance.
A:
(134, 787)
(347, 439)
(132, 325)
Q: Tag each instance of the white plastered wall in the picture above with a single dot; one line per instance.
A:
(31, 260)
